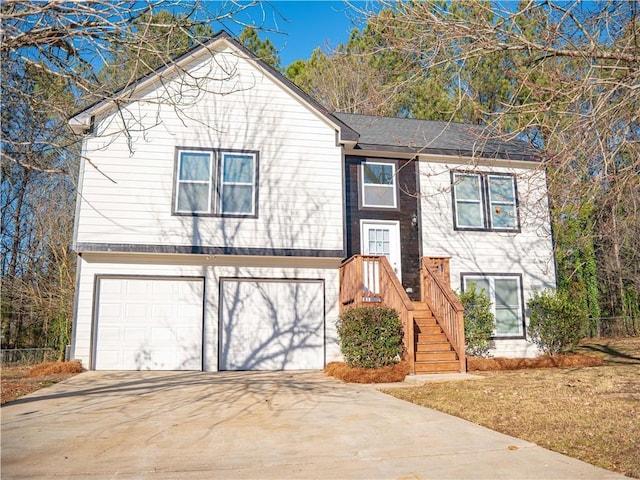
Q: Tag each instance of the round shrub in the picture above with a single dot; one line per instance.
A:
(370, 337)
(479, 321)
(556, 322)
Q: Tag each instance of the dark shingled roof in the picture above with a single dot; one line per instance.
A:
(431, 137)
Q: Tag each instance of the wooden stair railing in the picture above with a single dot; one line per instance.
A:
(445, 306)
(370, 280)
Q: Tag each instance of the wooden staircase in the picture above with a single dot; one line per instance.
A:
(433, 339)
(433, 352)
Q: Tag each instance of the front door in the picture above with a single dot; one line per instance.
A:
(380, 237)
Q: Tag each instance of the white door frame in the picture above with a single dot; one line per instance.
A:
(395, 256)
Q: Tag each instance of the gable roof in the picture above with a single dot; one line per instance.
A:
(81, 120)
(410, 135)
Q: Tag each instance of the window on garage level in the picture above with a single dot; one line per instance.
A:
(484, 201)
(505, 293)
(379, 185)
(216, 182)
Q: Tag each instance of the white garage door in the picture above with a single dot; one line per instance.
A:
(271, 325)
(149, 324)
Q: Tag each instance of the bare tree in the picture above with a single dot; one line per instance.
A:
(58, 58)
(570, 72)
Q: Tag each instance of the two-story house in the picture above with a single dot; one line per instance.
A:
(217, 204)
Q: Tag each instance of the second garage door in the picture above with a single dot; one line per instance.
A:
(271, 325)
(149, 324)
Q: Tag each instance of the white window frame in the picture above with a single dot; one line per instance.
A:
(479, 202)
(215, 182)
(493, 204)
(491, 278)
(222, 183)
(392, 186)
(486, 202)
(208, 182)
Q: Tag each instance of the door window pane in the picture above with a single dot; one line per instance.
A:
(379, 243)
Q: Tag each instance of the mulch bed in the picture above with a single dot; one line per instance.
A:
(476, 364)
(344, 372)
(53, 368)
(399, 371)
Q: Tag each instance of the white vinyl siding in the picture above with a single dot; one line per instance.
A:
(130, 196)
(379, 185)
(505, 293)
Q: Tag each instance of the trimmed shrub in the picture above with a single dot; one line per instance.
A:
(479, 322)
(556, 322)
(370, 337)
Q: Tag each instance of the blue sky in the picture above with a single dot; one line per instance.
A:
(303, 25)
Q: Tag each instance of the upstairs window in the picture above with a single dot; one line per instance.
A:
(237, 185)
(484, 201)
(216, 182)
(379, 185)
(195, 172)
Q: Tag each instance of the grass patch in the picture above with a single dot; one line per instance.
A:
(389, 374)
(21, 380)
(592, 414)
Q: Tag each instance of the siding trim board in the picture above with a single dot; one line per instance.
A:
(442, 151)
(204, 250)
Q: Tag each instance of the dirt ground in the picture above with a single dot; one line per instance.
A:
(17, 381)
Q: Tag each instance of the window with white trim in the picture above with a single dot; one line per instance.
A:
(505, 293)
(378, 185)
(215, 182)
(484, 201)
(237, 182)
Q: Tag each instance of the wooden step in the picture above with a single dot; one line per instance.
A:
(427, 329)
(430, 337)
(433, 347)
(426, 321)
(436, 356)
(417, 306)
(437, 367)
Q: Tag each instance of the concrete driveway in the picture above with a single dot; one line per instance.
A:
(182, 425)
